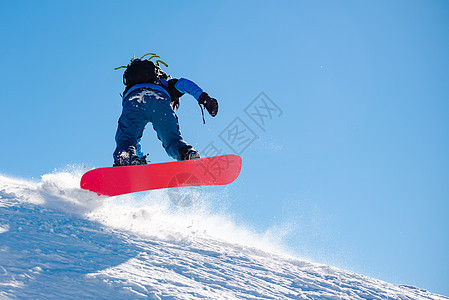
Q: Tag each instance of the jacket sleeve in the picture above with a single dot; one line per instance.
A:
(187, 86)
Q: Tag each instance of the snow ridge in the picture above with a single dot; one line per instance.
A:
(60, 242)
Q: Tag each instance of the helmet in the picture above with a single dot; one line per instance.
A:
(141, 70)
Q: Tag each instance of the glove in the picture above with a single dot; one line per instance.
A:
(211, 104)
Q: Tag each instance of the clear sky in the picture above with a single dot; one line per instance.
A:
(353, 160)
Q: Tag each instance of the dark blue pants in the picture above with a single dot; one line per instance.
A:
(141, 107)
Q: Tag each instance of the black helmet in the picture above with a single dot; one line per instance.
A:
(142, 71)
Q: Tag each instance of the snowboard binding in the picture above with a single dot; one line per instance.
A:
(129, 159)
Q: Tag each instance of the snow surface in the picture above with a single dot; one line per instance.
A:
(60, 242)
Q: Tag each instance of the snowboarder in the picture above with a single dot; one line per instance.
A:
(150, 96)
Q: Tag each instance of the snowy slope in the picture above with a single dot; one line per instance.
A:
(59, 242)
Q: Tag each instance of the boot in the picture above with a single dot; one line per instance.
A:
(129, 159)
(188, 153)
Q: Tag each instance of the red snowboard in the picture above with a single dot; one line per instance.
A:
(113, 181)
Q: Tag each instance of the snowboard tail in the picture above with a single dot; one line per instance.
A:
(113, 181)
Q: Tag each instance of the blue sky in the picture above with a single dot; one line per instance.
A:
(355, 161)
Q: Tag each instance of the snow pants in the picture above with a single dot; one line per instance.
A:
(141, 107)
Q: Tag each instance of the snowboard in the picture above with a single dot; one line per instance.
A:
(113, 181)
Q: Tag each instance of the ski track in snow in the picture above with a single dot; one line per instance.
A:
(60, 242)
